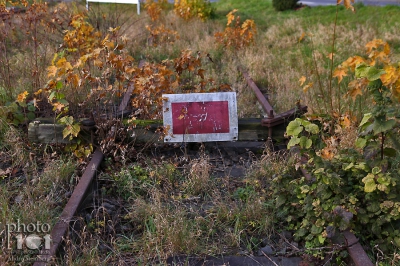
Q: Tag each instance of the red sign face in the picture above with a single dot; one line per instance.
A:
(200, 117)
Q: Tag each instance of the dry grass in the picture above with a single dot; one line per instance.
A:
(183, 211)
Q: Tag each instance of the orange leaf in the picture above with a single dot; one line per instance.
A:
(51, 71)
(339, 73)
(347, 4)
(345, 121)
(302, 80)
(330, 56)
(231, 16)
(22, 96)
(307, 87)
(327, 153)
(303, 34)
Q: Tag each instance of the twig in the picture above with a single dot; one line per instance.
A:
(269, 258)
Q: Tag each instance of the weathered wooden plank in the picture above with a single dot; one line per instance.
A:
(44, 130)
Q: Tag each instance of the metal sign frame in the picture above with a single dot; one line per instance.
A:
(207, 103)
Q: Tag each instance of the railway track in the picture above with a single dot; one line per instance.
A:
(232, 158)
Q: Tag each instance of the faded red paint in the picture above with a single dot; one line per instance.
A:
(200, 117)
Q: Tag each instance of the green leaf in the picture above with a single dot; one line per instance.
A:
(305, 142)
(66, 132)
(321, 239)
(303, 122)
(75, 130)
(397, 241)
(315, 230)
(312, 128)
(67, 120)
(30, 115)
(52, 95)
(376, 170)
(31, 107)
(390, 152)
(382, 125)
(59, 85)
(374, 73)
(280, 200)
(294, 128)
(360, 143)
(348, 167)
(293, 141)
(369, 183)
(63, 101)
(365, 119)
(361, 71)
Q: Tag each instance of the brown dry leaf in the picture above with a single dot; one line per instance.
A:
(355, 88)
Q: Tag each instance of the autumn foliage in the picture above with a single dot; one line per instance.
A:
(188, 9)
(378, 63)
(237, 35)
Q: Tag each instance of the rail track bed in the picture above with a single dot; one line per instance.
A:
(184, 203)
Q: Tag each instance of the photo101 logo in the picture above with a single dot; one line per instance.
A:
(32, 236)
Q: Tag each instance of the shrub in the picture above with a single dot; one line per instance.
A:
(282, 5)
(188, 9)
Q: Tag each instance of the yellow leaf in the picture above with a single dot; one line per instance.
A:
(181, 117)
(231, 16)
(390, 75)
(38, 92)
(22, 96)
(302, 80)
(339, 73)
(63, 63)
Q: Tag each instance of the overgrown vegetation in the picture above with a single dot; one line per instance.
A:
(349, 139)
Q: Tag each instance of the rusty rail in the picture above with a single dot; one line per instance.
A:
(80, 192)
(356, 251)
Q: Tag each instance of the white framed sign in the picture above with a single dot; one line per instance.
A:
(200, 117)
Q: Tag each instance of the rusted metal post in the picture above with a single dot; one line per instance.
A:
(260, 97)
